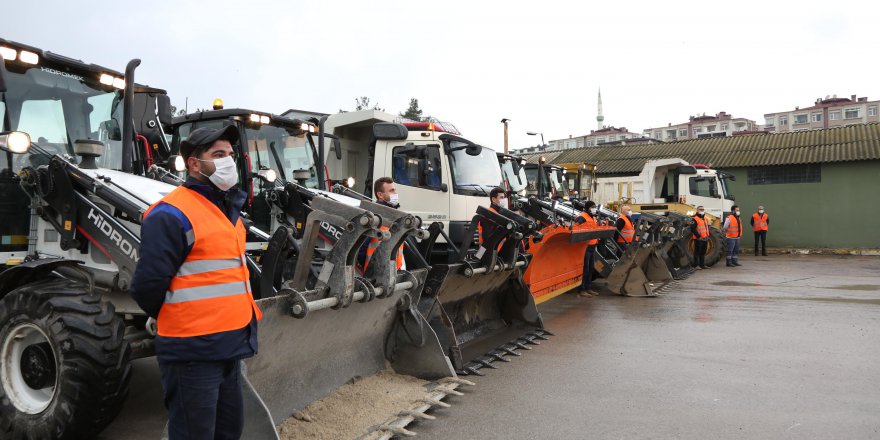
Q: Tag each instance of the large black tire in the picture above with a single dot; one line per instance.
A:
(81, 365)
(716, 250)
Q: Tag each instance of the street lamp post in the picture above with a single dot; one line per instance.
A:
(532, 133)
(505, 121)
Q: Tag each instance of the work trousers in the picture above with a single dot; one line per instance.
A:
(732, 248)
(700, 247)
(587, 279)
(203, 399)
(762, 235)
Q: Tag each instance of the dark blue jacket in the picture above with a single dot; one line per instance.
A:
(164, 247)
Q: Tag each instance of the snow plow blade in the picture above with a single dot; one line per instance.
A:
(557, 264)
(475, 311)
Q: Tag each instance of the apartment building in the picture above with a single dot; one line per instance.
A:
(701, 126)
(596, 137)
(824, 113)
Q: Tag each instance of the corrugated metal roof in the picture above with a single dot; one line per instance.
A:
(841, 144)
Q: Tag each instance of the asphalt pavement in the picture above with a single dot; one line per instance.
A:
(782, 347)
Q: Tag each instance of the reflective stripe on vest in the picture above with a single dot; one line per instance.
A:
(591, 223)
(702, 228)
(628, 232)
(733, 229)
(374, 244)
(760, 221)
(210, 293)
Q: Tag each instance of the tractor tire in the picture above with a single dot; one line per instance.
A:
(64, 362)
(716, 250)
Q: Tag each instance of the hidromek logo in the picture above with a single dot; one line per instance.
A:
(105, 227)
(60, 73)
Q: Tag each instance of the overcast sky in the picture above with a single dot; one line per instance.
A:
(474, 62)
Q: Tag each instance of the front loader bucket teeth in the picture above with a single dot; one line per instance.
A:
(637, 269)
(470, 316)
(302, 359)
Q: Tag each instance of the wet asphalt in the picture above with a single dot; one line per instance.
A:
(782, 347)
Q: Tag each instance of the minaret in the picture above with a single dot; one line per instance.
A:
(599, 117)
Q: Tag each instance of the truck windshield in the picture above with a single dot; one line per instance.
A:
(270, 144)
(57, 108)
(517, 182)
(558, 182)
(477, 174)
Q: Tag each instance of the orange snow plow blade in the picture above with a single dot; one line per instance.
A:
(557, 264)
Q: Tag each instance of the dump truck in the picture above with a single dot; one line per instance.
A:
(674, 186)
(475, 300)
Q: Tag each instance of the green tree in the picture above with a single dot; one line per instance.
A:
(413, 111)
(363, 103)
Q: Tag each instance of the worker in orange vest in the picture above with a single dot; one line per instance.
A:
(386, 194)
(497, 199)
(192, 278)
(625, 226)
(733, 231)
(588, 217)
(760, 224)
(700, 235)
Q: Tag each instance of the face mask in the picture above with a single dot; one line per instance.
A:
(395, 199)
(701, 212)
(594, 210)
(225, 173)
(760, 211)
(628, 213)
(736, 213)
(502, 202)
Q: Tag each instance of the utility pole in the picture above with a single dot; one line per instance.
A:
(505, 121)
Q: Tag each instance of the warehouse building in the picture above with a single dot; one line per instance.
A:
(820, 187)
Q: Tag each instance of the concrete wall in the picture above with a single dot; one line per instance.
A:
(842, 211)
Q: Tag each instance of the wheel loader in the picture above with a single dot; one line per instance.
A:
(474, 306)
(638, 268)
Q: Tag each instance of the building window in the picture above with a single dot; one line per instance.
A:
(801, 119)
(834, 116)
(769, 121)
(589, 143)
(600, 141)
(658, 135)
(872, 111)
(811, 173)
(698, 129)
(683, 132)
(723, 127)
(670, 134)
(710, 128)
(851, 113)
(817, 117)
(783, 120)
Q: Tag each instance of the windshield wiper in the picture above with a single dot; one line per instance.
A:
(474, 185)
(277, 160)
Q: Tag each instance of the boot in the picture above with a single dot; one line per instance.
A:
(736, 263)
(729, 262)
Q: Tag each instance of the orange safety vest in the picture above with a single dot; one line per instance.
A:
(591, 223)
(760, 221)
(702, 228)
(374, 244)
(480, 229)
(733, 230)
(211, 292)
(628, 233)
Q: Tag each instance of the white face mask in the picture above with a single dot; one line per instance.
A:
(502, 202)
(395, 199)
(628, 213)
(594, 210)
(225, 173)
(760, 211)
(701, 212)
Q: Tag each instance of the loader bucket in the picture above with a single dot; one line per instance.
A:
(557, 264)
(637, 270)
(302, 360)
(473, 317)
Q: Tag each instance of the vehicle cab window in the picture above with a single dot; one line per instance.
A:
(417, 165)
(704, 187)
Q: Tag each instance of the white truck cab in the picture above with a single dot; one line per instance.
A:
(440, 175)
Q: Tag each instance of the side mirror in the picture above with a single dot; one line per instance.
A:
(337, 148)
(444, 187)
(16, 142)
(176, 163)
(389, 131)
(473, 150)
(163, 108)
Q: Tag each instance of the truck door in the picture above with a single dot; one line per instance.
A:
(704, 190)
(419, 172)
